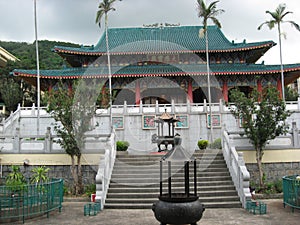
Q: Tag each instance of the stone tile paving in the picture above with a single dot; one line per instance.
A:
(72, 213)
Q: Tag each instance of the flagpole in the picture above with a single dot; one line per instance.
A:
(37, 69)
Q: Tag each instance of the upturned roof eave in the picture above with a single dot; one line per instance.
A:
(83, 73)
(79, 51)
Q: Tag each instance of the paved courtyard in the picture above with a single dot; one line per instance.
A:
(72, 213)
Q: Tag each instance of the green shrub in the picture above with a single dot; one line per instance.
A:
(217, 144)
(278, 186)
(15, 179)
(202, 144)
(122, 145)
(90, 189)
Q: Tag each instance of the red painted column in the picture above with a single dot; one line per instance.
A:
(190, 92)
(259, 86)
(279, 87)
(137, 93)
(225, 91)
(259, 89)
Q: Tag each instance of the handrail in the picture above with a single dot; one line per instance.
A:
(237, 168)
(105, 171)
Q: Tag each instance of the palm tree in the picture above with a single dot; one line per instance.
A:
(39, 174)
(208, 12)
(104, 7)
(277, 19)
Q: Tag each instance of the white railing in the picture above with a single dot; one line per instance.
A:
(237, 168)
(104, 172)
(46, 143)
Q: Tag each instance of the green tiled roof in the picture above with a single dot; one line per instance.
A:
(163, 39)
(159, 70)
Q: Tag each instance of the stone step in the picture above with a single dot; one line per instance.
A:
(145, 196)
(147, 189)
(157, 159)
(165, 175)
(156, 170)
(138, 180)
(203, 167)
(209, 184)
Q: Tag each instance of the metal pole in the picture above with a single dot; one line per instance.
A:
(169, 179)
(37, 69)
(195, 177)
(208, 86)
(109, 73)
(160, 178)
(281, 65)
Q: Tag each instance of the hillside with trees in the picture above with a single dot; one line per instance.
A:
(13, 90)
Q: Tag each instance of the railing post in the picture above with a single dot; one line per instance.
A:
(204, 106)
(188, 106)
(295, 135)
(48, 143)
(16, 141)
(172, 106)
(156, 107)
(33, 109)
(125, 110)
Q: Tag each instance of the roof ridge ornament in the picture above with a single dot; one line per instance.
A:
(162, 25)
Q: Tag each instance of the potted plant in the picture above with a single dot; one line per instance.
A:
(122, 145)
(202, 144)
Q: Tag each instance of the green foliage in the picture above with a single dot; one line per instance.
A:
(12, 89)
(217, 144)
(90, 189)
(272, 187)
(39, 174)
(11, 93)
(122, 145)
(291, 94)
(15, 179)
(263, 118)
(202, 144)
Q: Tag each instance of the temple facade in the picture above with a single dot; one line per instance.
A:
(167, 64)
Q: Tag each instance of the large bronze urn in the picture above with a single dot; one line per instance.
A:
(178, 207)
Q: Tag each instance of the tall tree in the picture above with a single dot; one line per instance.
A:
(277, 19)
(263, 118)
(209, 12)
(72, 111)
(104, 7)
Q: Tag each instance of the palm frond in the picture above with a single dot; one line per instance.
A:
(264, 23)
(216, 22)
(294, 25)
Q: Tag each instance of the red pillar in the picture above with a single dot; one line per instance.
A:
(190, 92)
(137, 93)
(259, 86)
(225, 91)
(259, 89)
(279, 88)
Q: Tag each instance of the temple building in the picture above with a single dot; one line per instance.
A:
(167, 63)
(5, 56)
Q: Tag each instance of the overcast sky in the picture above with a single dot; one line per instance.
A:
(74, 21)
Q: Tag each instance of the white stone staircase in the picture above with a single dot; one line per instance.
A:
(135, 181)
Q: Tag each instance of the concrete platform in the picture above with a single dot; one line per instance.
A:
(72, 213)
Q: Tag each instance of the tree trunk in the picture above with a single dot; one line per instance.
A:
(74, 175)
(259, 166)
(79, 176)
